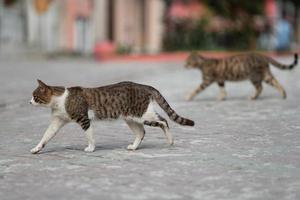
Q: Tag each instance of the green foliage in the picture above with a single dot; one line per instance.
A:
(197, 37)
(189, 35)
(230, 8)
(124, 49)
(10, 2)
(184, 38)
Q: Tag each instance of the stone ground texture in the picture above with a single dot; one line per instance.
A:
(239, 149)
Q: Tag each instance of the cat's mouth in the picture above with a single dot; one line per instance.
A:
(32, 102)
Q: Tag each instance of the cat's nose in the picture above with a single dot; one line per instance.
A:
(30, 102)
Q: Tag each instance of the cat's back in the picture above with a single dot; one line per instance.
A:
(112, 101)
(237, 67)
(75, 93)
(118, 91)
(125, 86)
(75, 90)
(117, 88)
(248, 57)
(241, 63)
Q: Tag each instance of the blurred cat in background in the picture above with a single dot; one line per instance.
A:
(251, 66)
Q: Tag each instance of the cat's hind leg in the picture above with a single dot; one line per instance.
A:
(157, 121)
(258, 90)
(223, 93)
(270, 79)
(55, 125)
(139, 131)
(91, 141)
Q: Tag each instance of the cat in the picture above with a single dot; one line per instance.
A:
(127, 100)
(239, 67)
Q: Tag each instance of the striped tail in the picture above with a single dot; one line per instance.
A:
(170, 112)
(282, 66)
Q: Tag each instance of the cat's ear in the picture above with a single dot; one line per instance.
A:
(194, 53)
(41, 83)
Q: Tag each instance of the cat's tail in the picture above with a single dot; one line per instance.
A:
(161, 101)
(282, 66)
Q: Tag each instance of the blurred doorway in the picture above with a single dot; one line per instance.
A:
(111, 19)
(81, 34)
(12, 22)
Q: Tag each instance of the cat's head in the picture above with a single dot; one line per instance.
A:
(194, 60)
(42, 95)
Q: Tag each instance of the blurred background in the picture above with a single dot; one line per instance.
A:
(239, 149)
(108, 27)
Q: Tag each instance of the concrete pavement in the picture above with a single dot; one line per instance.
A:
(239, 149)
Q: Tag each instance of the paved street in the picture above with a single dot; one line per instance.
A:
(239, 149)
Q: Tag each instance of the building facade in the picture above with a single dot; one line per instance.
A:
(77, 25)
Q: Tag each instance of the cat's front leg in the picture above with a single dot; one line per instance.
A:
(55, 125)
(199, 89)
(223, 93)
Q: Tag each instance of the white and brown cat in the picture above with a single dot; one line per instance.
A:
(252, 66)
(127, 100)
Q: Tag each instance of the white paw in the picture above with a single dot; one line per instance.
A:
(252, 97)
(131, 147)
(188, 98)
(89, 149)
(171, 142)
(221, 98)
(35, 150)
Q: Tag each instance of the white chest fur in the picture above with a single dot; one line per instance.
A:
(58, 106)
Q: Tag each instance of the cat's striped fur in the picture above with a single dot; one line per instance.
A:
(252, 66)
(127, 100)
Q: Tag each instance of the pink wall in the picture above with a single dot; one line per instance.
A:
(271, 8)
(74, 9)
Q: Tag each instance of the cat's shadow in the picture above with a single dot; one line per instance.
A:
(233, 99)
(109, 147)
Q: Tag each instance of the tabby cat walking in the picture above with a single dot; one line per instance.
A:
(127, 100)
(251, 66)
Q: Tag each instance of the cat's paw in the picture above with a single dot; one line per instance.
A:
(131, 147)
(89, 149)
(284, 95)
(221, 98)
(252, 98)
(35, 150)
(171, 142)
(188, 98)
